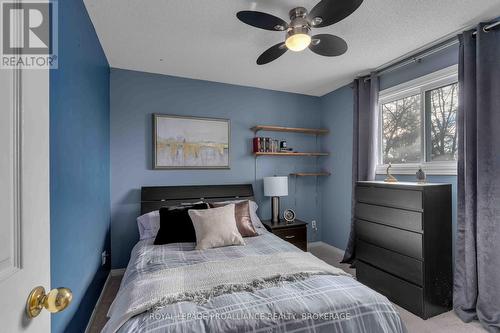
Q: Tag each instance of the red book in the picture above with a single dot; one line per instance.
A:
(256, 145)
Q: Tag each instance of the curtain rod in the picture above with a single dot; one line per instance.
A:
(489, 27)
(419, 56)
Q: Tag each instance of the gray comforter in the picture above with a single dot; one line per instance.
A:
(319, 303)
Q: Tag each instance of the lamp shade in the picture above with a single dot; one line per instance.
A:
(275, 186)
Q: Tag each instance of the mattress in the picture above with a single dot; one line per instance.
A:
(319, 303)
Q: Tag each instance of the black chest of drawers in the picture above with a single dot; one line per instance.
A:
(404, 244)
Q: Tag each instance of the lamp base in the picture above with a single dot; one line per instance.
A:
(275, 209)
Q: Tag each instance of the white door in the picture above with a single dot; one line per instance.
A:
(24, 196)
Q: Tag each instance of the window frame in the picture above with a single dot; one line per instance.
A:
(417, 86)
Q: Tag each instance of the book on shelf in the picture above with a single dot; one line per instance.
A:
(265, 145)
(256, 144)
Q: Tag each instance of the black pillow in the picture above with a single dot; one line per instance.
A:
(176, 225)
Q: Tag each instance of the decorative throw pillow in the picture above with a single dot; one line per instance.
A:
(176, 225)
(242, 216)
(215, 227)
(257, 223)
(148, 224)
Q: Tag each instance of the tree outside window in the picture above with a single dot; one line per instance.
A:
(401, 130)
(403, 126)
(441, 114)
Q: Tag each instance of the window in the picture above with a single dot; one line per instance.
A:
(441, 106)
(401, 130)
(419, 124)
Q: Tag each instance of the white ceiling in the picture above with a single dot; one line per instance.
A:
(203, 39)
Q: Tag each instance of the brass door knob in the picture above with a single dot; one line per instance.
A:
(55, 301)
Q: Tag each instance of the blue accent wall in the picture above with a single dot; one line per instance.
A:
(336, 114)
(79, 166)
(135, 96)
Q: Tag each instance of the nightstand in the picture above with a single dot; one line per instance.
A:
(294, 232)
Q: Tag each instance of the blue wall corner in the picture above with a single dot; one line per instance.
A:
(337, 115)
(79, 166)
(135, 96)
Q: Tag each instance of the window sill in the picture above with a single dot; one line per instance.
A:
(430, 169)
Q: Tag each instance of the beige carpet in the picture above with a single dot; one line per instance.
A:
(447, 322)
(108, 295)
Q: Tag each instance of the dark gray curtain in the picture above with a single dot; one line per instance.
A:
(365, 143)
(477, 262)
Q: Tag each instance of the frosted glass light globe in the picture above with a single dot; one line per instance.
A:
(298, 42)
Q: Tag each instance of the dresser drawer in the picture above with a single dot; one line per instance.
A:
(400, 218)
(405, 267)
(390, 197)
(292, 235)
(399, 291)
(402, 241)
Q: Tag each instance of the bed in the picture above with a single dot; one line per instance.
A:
(322, 302)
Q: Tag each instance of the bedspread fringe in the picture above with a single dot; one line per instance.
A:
(203, 296)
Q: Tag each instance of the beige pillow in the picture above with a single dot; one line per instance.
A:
(215, 227)
(242, 216)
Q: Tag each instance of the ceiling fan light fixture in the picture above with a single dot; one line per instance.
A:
(297, 39)
(298, 42)
(298, 35)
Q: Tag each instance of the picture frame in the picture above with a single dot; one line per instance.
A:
(186, 142)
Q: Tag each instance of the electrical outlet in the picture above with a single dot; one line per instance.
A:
(313, 225)
(104, 256)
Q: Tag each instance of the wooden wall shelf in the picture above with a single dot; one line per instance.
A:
(289, 154)
(314, 131)
(310, 174)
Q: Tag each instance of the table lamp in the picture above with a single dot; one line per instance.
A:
(275, 187)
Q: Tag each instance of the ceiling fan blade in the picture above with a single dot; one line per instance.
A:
(328, 12)
(272, 53)
(328, 45)
(262, 20)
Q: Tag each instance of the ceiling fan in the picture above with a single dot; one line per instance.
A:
(298, 31)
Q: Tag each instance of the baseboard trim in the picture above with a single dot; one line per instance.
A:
(89, 323)
(117, 272)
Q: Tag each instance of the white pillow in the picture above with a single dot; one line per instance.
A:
(215, 227)
(257, 223)
(149, 223)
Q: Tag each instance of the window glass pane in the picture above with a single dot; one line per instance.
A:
(401, 141)
(441, 106)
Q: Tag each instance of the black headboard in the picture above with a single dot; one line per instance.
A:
(155, 197)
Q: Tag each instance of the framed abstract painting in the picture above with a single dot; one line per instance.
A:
(181, 142)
